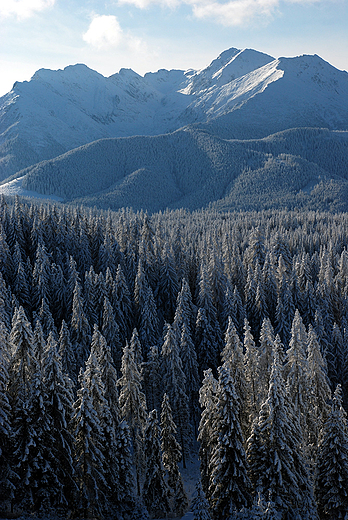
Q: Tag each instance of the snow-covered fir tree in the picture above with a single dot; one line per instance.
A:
(233, 358)
(276, 458)
(155, 490)
(185, 309)
(190, 368)
(133, 407)
(110, 331)
(207, 435)
(252, 375)
(80, 328)
(174, 384)
(126, 482)
(229, 484)
(331, 479)
(107, 405)
(59, 408)
(89, 441)
(320, 392)
(66, 352)
(7, 474)
(296, 373)
(24, 434)
(171, 455)
(200, 505)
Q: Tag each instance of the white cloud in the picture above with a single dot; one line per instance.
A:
(104, 32)
(23, 8)
(234, 12)
(228, 13)
(144, 4)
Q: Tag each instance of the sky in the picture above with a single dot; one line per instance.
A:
(147, 35)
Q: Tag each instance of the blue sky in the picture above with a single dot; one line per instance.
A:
(147, 35)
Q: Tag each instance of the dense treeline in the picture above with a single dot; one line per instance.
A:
(302, 168)
(124, 337)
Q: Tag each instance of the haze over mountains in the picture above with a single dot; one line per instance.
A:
(182, 138)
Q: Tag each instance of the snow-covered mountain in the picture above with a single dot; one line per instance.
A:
(243, 94)
(304, 91)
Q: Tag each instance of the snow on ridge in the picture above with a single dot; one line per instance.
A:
(242, 63)
(220, 72)
(64, 109)
(217, 101)
(14, 187)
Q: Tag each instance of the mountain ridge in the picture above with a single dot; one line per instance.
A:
(49, 124)
(190, 168)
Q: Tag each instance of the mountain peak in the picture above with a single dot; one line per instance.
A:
(224, 57)
(230, 65)
(71, 72)
(243, 93)
(242, 63)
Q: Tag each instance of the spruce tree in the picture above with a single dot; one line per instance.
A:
(331, 482)
(205, 301)
(66, 353)
(123, 305)
(275, 453)
(7, 474)
(110, 418)
(111, 332)
(58, 287)
(185, 309)
(108, 374)
(126, 490)
(148, 322)
(133, 407)
(6, 263)
(266, 355)
(296, 373)
(152, 378)
(207, 435)
(24, 436)
(46, 319)
(205, 343)
(233, 358)
(252, 375)
(59, 407)
(41, 277)
(89, 297)
(21, 287)
(141, 285)
(319, 390)
(217, 280)
(174, 383)
(155, 491)
(200, 505)
(229, 487)
(168, 283)
(80, 329)
(190, 368)
(171, 455)
(89, 441)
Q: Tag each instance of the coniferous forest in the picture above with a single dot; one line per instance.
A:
(132, 344)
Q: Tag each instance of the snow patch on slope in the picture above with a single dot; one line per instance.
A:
(226, 68)
(241, 94)
(14, 187)
(218, 101)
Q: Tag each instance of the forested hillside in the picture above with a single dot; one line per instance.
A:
(300, 168)
(126, 337)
